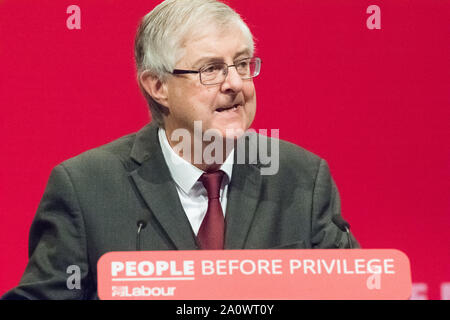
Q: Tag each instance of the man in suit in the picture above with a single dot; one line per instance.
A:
(195, 64)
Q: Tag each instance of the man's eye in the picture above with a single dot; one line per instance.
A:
(243, 64)
(212, 68)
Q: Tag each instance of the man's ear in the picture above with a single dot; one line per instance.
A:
(154, 87)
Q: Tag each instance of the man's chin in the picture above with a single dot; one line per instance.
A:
(232, 133)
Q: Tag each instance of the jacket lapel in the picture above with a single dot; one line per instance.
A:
(154, 183)
(243, 197)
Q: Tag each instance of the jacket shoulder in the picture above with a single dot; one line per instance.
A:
(293, 154)
(293, 161)
(108, 156)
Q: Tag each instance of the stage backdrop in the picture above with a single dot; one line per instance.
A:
(369, 92)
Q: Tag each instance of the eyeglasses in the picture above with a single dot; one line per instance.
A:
(216, 73)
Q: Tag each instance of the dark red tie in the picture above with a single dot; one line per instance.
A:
(211, 232)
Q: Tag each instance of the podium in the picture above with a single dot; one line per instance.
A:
(292, 274)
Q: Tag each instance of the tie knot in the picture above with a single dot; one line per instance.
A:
(212, 182)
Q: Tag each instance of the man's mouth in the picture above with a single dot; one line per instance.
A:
(233, 107)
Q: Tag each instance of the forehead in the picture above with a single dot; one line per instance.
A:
(212, 42)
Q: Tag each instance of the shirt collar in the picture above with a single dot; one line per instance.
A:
(184, 173)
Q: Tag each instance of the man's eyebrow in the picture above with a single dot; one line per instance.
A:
(202, 61)
(213, 59)
(246, 51)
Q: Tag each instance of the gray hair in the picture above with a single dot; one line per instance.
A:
(162, 32)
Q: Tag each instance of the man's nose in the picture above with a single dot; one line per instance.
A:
(233, 81)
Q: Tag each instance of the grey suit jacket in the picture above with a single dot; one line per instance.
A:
(92, 204)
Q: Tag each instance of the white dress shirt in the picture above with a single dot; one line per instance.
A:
(192, 193)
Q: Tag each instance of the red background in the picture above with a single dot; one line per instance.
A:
(373, 103)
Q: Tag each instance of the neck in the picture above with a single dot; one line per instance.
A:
(205, 155)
